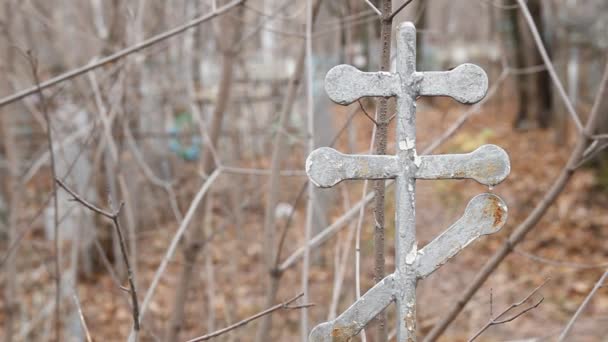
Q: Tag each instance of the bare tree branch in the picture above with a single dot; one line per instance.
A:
(495, 320)
(559, 263)
(272, 254)
(310, 205)
(118, 55)
(399, 9)
(57, 243)
(597, 286)
(374, 8)
(285, 306)
(543, 53)
(82, 320)
(114, 216)
(183, 226)
(380, 142)
(533, 218)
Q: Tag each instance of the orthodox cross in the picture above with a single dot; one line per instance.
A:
(489, 165)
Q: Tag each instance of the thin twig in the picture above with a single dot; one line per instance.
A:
(496, 320)
(592, 151)
(358, 226)
(338, 134)
(285, 306)
(581, 308)
(84, 202)
(120, 54)
(277, 259)
(399, 9)
(310, 205)
(262, 172)
(260, 26)
(301, 194)
(114, 216)
(147, 171)
(57, 245)
(81, 316)
(366, 113)
(558, 263)
(176, 238)
(30, 224)
(499, 5)
(342, 255)
(374, 8)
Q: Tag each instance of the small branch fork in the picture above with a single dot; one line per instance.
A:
(390, 16)
(286, 305)
(496, 320)
(386, 122)
(395, 12)
(114, 216)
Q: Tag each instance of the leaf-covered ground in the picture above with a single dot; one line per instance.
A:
(230, 276)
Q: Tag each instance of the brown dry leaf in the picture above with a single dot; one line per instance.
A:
(155, 307)
(581, 287)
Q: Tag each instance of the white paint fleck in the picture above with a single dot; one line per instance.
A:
(410, 143)
(402, 145)
(417, 159)
(411, 256)
(410, 187)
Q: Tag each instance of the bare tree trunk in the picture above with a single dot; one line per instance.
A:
(380, 148)
(11, 184)
(515, 42)
(540, 103)
(542, 79)
(194, 242)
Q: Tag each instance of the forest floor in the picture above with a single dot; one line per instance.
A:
(565, 247)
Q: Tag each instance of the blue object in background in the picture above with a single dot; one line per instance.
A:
(183, 123)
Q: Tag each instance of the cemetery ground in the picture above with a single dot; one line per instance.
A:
(230, 281)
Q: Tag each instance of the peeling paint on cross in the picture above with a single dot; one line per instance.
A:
(489, 165)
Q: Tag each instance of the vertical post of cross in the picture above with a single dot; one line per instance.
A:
(405, 186)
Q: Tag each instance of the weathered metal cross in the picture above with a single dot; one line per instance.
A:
(489, 165)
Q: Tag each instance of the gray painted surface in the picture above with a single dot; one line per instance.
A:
(489, 165)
